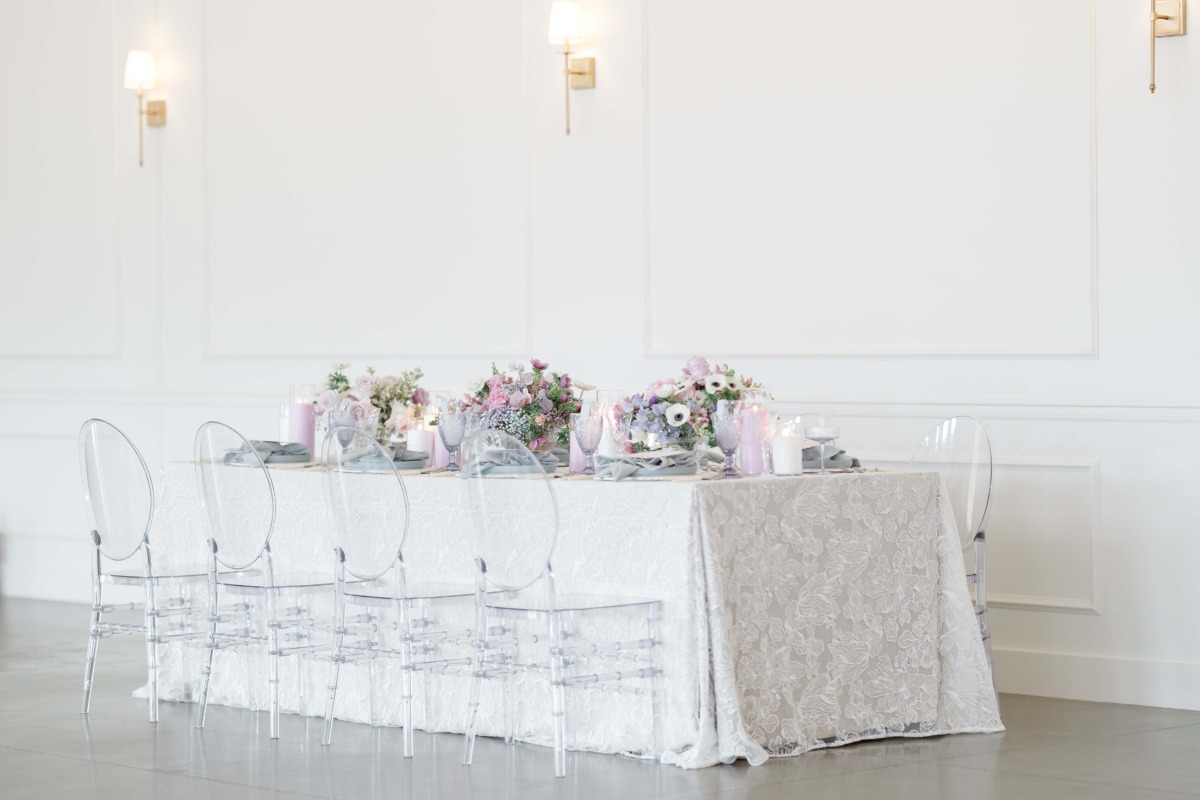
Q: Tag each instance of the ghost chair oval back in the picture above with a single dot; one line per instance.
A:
(238, 499)
(515, 521)
(369, 505)
(960, 450)
(119, 492)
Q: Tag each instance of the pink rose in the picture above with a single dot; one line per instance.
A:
(697, 368)
(519, 400)
(328, 399)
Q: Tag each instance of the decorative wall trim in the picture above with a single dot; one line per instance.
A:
(1091, 354)
(1092, 605)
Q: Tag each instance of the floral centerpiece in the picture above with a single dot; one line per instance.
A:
(676, 412)
(533, 404)
(397, 401)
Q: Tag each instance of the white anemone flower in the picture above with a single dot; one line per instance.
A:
(715, 383)
(476, 384)
(678, 414)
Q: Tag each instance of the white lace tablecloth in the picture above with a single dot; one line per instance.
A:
(800, 612)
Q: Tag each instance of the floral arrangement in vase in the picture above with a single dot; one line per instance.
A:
(533, 404)
(397, 402)
(676, 412)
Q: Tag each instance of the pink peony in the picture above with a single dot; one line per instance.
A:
(697, 368)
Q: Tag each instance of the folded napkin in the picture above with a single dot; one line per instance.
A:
(655, 462)
(562, 454)
(812, 458)
(508, 462)
(270, 453)
(371, 457)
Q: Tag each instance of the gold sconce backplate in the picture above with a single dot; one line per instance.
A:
(1171, 18)
(583, 73)
(156, 113)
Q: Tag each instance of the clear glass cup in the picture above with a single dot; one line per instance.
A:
(822, 433)
(588, 428)
(727, 429)
(452, 427)
(345, 421)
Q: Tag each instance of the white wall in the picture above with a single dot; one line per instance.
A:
(934, 208)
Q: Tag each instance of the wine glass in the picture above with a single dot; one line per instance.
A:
(588, 428)
(343, 422)
(822, 433)
(452, 427)
(727, 428)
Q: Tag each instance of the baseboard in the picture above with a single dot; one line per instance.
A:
(1167, 684)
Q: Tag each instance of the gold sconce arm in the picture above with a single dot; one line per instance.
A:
(578, 73)
(1167, 18)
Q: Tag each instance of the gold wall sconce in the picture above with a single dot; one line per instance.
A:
(1167, 18)
(142, 76)
(566, 28)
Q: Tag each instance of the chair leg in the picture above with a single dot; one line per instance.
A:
(273, 655)
(331, 698)
(558, 692)
(653, 629)
(476, 688)
(152, 651)
(89, 666)
(206, 674)
(406, 670)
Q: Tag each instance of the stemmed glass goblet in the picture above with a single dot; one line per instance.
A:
(588, 428)
(822, 434)
(727, 428)
(452, 427)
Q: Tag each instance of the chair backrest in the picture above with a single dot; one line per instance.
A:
(959, 448)
(368, 502)
(237, 494)
(514, 512)
(117, 487)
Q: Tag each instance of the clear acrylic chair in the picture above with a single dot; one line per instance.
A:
(119, 492)
(238, 498)
(959, 448)
(515, 520)
(367, 499)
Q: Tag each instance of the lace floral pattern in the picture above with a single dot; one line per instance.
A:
(799, 613)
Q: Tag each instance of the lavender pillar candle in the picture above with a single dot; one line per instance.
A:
(753, 419)
(300, 424)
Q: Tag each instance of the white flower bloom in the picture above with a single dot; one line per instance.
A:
(587, 387)
(637, 435)
(715, 383)
(677, 415)
(339, 366)
(735, 384)
(476, 384)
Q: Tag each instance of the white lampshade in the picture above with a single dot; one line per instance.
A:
(139, 70)
(566, 22)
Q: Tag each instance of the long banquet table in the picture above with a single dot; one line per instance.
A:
(800, 612)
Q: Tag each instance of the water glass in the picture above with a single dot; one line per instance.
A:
(452, 427)
(727, 428)
(588, 428)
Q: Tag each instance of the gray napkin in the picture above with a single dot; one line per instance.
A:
(270, 453)
(508, 462)
(666, 462)
(562, 454)
(368, 457)
(812, 458)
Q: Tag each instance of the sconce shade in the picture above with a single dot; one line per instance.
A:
(566, 22)
(139, 70)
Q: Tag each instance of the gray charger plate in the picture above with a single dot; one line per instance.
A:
(369, 465)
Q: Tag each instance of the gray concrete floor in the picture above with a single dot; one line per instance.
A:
(1052, 749)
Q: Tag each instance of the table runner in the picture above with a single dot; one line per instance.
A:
(800, 612)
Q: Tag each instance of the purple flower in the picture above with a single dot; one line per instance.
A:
(420, 397)
(565, 381)
(539, 364)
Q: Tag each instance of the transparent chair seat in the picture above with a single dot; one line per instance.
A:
(258, 581)
(135, 577)
(384, 591)
(567, 602)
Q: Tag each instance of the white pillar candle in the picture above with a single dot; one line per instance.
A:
(421, 440)
(787, 455)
